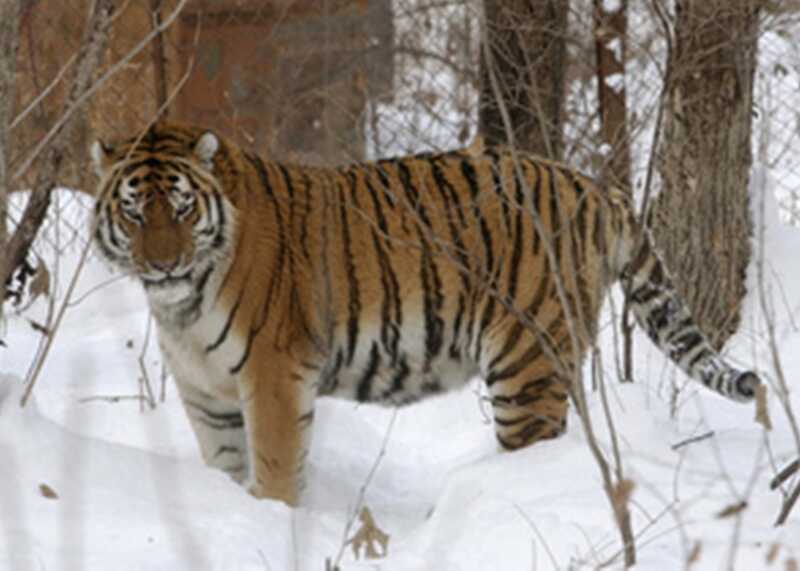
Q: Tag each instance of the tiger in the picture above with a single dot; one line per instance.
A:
(273, 283)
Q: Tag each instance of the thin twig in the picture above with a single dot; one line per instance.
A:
(692, 440)
(145, 388)
(363, 490)
(110, 398)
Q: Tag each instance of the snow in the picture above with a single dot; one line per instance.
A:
(616, 81)
(132, 492)
(611, 6)
(614, 45)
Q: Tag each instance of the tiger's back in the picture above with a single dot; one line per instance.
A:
(383, 281)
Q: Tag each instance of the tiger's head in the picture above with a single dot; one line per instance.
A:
(161, 214)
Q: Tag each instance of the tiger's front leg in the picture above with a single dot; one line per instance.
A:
(277, 397)
(219, 428)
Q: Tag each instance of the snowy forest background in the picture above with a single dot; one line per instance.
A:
(99, 468)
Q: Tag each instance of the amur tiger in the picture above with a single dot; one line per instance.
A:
(386, 281)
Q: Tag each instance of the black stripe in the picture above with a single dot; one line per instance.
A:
(432, 301)
(452, 204)
(497, 183)
(385, 182)
(354, 303)
(516, 253)
(306, 214)
(399, 379)
(381, 218)
(224, 333)
(471, 177)
(217, 420)
(390, 332)
(536, 205)
(364, 387)
(411, 191)
(455, 352)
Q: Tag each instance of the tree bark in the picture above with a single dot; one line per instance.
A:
(9, 38)
(526, 53)
(610, 33)
(701, 220)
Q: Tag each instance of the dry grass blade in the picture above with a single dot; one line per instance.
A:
(732, 510)
(694, 554)
(762, 410)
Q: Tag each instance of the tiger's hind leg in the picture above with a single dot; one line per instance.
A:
(530, 398)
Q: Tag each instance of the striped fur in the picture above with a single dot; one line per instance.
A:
(388, 281)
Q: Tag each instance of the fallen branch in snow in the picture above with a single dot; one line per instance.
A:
(787, 506)
(692, 440)
(784, 474)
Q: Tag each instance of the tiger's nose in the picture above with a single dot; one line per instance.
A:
(166, 266)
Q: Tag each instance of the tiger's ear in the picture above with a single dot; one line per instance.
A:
(101, 156)
(206, 147)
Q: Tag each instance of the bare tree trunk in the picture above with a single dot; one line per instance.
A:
(9, 37)
(701, 219)
(526, 50)
(610, 31)
(92, 47)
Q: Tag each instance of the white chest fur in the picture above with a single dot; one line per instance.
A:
(190, 361)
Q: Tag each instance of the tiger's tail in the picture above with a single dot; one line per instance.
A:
(659, 310)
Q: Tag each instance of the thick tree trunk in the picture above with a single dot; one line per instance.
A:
(701, 220)
(526, 54)
(610, 32)
(9, 35)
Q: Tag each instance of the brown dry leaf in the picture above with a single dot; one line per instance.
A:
(38, 327)
(772, 554)
(362, 5)
(762, 411)
(791, 564)
(41, 282)
(732, 510)
(368, 536)
(47, 492)
(694, 554)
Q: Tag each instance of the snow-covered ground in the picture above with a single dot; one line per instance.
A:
(132, 493)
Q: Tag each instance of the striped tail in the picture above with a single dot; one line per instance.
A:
(660, 311)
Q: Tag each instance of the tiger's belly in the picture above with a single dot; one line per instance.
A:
(394, 373)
